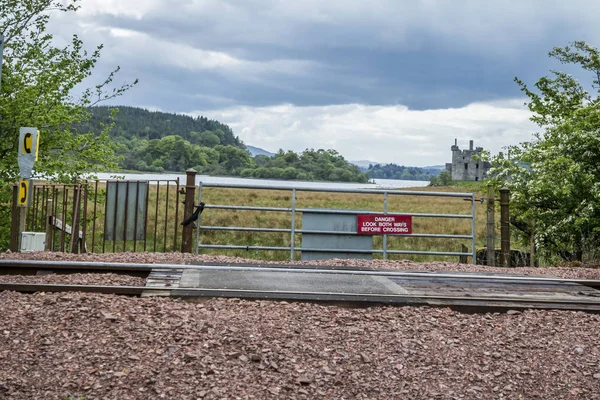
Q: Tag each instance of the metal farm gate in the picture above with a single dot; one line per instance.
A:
(101, 216)
(236, 218)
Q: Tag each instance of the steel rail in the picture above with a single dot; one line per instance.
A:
(290, 268)
(48, 287)
(415, 299)
(378, 297)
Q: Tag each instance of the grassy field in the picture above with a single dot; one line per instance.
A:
(163, 232)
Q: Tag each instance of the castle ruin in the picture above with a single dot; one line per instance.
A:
(463, 167)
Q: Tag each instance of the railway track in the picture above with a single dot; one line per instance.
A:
(302, 283)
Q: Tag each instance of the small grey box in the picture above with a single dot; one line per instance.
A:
(321, 220)
(33, 241)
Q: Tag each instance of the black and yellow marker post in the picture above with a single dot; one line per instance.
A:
(29, 139)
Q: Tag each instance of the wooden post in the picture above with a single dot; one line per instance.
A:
(532, 248)
(49, 226)
(490, 227)
(505, 227)
(74, 245)
(14, 226)
(188, 210)
(463, 259)
(82, 242)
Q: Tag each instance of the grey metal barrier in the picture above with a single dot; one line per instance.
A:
(293, 210)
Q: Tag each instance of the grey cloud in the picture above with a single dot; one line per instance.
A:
(398, 24)
(425, 54)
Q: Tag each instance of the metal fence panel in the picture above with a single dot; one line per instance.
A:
(341, 227)
(126, 210)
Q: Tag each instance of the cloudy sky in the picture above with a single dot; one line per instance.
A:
(384, 80)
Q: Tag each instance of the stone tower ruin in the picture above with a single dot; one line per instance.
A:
(463, 167)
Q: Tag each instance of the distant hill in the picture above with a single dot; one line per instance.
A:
(363, 164)
(257, 151)
(440, 167)
(434, 170)
(393, 171)
(139, 123)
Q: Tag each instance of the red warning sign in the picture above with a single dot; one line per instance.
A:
(369, 224)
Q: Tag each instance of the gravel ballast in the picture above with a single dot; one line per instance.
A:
(110, 347)
(96, 346)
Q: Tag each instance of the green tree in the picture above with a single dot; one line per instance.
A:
(262, 160)
(289, 173)
(233, 159)
(443, 179)
(393, 171)
(38, 80)
(555, 178)
(209, 139)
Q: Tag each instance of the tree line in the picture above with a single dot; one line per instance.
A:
(393, 171)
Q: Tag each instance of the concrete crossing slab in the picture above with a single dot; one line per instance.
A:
(289, 281)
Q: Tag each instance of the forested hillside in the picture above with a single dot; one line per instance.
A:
(393, 171)
(133, 122)
(157, 142)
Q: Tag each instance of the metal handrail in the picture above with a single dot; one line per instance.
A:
(340, 190)
(313, 231)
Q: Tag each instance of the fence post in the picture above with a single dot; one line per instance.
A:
(14, 227)
(385, 209)
(504, 227)
(188, 210)
(49, 226)
(532, 248)
(463, 259)
(83, 217)
(490, 228)
(293, 233)
(74, 245)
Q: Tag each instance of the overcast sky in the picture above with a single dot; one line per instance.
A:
(382, 80)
